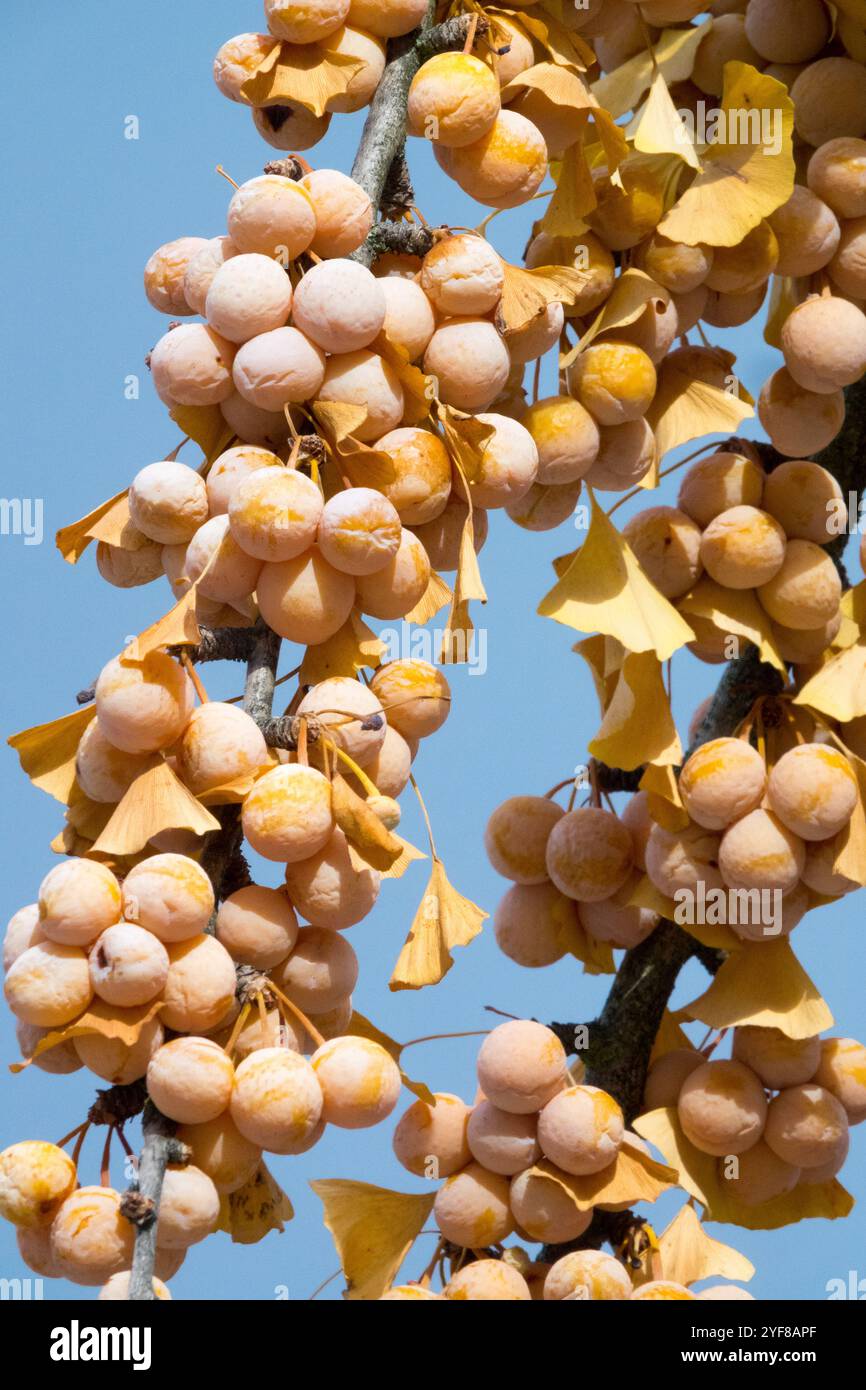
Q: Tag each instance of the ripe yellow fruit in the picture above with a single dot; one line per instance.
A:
(128, 966)
(778, 1060)
(488, 1281)
(350, 714)
(328, 890)
(847, 269)
(806, 1126)
(359, 531)
(813, 790)
(824, 343)
(118, 1285)
(221, 1151)
(536, 337)
(78, 900)
(682, 859)
(722, 1108)
(249, 295)
(799, 421)
(586, 254)
(202, 268)
(422, 468)
(666, 1076)
(516, 837)
(453, 100)
(321, 971)
(272, 216)
(387, 18)
(807, 645)
(829, 99)
(807, 233)
(806, 500)
(721, 781)
(783, 32)
(462, 274)
(818, 871)
(257, 926)
(192, 365)
(758, 851)
(35, 1180)
(200, 987)
(740, 269)
(743, 548)
(128, 569)
(726, 42)
(164, 276)
(90, 1240)
(113, 1060)
(544, 506)
(409, 318)
(531, 924)
(432, 1140)
(504, 168)
(395, 589)
(441, 537)
(615, 381)
(360, 1082)
(581, 1130)
(626, 215)
(502, 1142)
(841, 1070)
(228, 471)
(278, 367)
(520, 54)
(806, 589)
(837, 174)
(188, 1209)
(566, 438)
(472, 1208)
(297, 21)
(169, 895)
(237, 60)
(544, 1210)
(168, 502)
(277, 1101)
(225, 572)
(366, 379)
(667, 545)
(674, 265)
(59, 1060)
(49, 984)
(469, 361)
(587, 1274)
(143, 707)
(290, 128)
(219, 744)
(34, 1247)
(760, 1175)
(305, 599)
(190, 1080)
(344, 213)
(625, 455)
(409, 1293)
(391, 766)
(615, 921)
(589, 854)
(733, 310)
(361, 47)
(521, 1066)
(339, 305)
(654, 331)
(288, 816)
(662, 1291)
(507, 466)
(415, 696)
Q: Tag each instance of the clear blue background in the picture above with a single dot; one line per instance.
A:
(85, 207)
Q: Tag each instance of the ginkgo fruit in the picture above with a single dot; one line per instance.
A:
(502, 169)
(190, 1080)
(805, 591)
(288, 815)
(589, 854)
(532, 922)
(433, 1139)
(442, 537)
(799, 421)
(500, 1141)
(221, 1151)
(453, 100)
(305, 599)
(168, 502)
(626, 454)
(422, 469)
(59, 1060)
(219, 745)
(164, 275)
(488, 1281)
(192, 365)
(566, 438)
(339, 305)
(666, 1076)
(189, 1207)
(472, 1208)
(586, 254)
(90, 1238)
(297, 21)
(841, 1070)
(321, 971)
(807, 233)
(760, 1175)
(290, 128)
(813, 790)
(507, 465)
(395, 589)
(272, 216)
(363, 378)
(116, 1062)
(847, 269)
(344, 213)
(837, 174)
(742, 268)
(360, 1082)
(359, 531)
(682, 859)
(587, 1274)
(128, 965)
(662, 1291)
(614, 380)
(169, 895)
(805, 499)
(365, 49)
(278, 367)
(743, 547)
(516, 837)
(469, 361)
(616, 920)
(824, 343)
(257, 926)
(721, 781)
(237, 60)
(806, 1125)
(277, 1100)
(144, 706)
(722, 1108)
(674, 265)
(667, 544)
(35, 1180)
(409, 318)
(249, 295)
(49, 984)
(545, 506)
(581, 1130)
(787, 33)
(521, 1066)
(200, 985)
(350, 713)
(544, 1210)
(387, 18)
(758, 851)
(778, 1060)
(78, 900)
(829, 101)
(229, 470)
(330, 889)
(414, 694)
(462, 275)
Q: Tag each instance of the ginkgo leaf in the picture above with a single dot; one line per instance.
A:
(605, 590)
(527, 293)
(564, 45)
(554, 89)
(632, 293)
(88, 817)
(108, 522)
(784, 298)
(661, 129)
(301, 75)
(373, 1230)
(595, 956)
(742, 179)
(638, 726)
(734, 611)
(362, 827)
(353, 648)
(361, 1027)
(849, 858)
(418, 389)
(157, 800)
(574, 197)
(340, 419)
(765, 986)
(409, 854)
(632, 1177)
(207, 426)
(688, 1254)
(604, 657)
(434, 598)
(251, 1211)
(685, 407)
(47, 751)
(106, 1020)
(838, 689)
(178, 628)
(663, 797)
(466, 438)
(669, 1037)
(672, 55)
(444, 920)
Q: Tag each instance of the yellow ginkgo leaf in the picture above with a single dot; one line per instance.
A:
(736, 612)
(631, 294)
(669, 1037)
(444, 919)
(435, 597)
(763, 985)
(88, 817)
(250, 1212)
(418, 389)
(362, 827)
(604, 657)
(838, 689)
(179, 627)
(157, 800)
(685, 408)
(301, 75)
(595, 956)
(361, 1027)
(108, 522)
(660, 129)
(527, 293)
(409, 854)
(546, 26)
(339, 419)
(352, 648)
(784, 298)
(106, 1020)
(605, 590)
(373, 1230)
(663, 796)
(689, 1254)
(746, 175)
(47, 751)
(207, 425)
(672, 55)
(638, 726)
(849, 857)
(632, 1177)
(574, 197)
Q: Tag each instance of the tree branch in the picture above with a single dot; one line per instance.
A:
(140, 1203)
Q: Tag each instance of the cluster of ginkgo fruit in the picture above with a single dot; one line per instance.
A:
(776, 1115)
(579, 866)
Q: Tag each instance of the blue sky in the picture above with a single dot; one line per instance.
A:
(85, 208)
